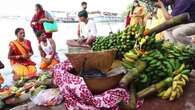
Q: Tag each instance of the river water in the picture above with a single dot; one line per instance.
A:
(65, 31)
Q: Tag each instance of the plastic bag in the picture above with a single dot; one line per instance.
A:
(50, 27)
(48, 97)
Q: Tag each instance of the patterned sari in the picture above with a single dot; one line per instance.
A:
(22, 67)
(77, 96)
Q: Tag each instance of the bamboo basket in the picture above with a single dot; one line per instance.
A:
(100, 60)
(101, 84)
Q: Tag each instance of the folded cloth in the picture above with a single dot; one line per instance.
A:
(78, 97)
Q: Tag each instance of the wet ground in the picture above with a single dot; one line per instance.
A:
(186, 102)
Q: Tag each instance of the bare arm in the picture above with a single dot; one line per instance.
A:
(53, 44)
(42, 53)
(164, 10)
(13, 57)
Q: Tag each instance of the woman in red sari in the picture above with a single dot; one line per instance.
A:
(39, 18)
(20, 51)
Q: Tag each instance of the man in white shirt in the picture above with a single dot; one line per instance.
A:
(86, 32)
(87, 28)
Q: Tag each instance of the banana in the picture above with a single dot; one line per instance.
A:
(180, 83)
(173, 95)
(181, 68)
(183, 80)
(127, 66)
(129, 59)
(158, 64)
(174, 85)
(180, 89)
(161, 93)
(167, 93)
(185, 77)
(168, 65)
(185, 72)
(131, 55)
(178, 93)
(177, 77)
(154, 61)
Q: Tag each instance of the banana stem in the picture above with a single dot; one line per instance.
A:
(146, 92)
(154, 88)
(132, 93)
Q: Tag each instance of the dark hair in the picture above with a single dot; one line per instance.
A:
(83, 13)
(39, 33)
(39, 6)
(136, 1)
(18, 30)
(84, 3)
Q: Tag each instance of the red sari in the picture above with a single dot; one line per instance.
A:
(22, 67)
(39, 26)
(21, 49)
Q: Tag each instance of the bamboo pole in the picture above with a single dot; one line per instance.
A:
(177, 20)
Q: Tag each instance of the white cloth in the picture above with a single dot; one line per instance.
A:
(47, 49)
(88, 30)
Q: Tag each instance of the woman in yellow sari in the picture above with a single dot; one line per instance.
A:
(47, 48)
(20, 51)
(137, 14)
(153, 21)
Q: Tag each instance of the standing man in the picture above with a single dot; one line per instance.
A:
(84, 5)
(183, 33)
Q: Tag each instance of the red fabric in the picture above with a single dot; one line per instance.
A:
(16, 52)
(39, 26)
(128, 20)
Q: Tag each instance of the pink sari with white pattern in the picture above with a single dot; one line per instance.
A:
(78, 97)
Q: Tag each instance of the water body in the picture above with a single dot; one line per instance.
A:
(65, 31)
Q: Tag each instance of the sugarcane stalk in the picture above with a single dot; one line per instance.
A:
(177, 20)
(154, 88)
(132, 74)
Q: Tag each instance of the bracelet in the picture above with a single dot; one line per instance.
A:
(17, 57)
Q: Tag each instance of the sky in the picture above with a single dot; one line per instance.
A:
(26, 7)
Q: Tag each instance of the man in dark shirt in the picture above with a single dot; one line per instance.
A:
(184, 33)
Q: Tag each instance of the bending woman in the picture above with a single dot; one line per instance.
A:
(20, 51)
(47, 48)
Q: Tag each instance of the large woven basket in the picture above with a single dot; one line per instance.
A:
(101, 84)
(101, 60)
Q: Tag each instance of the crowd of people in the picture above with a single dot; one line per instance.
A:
(20, 50)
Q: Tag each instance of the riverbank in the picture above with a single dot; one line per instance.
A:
(65, 31)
